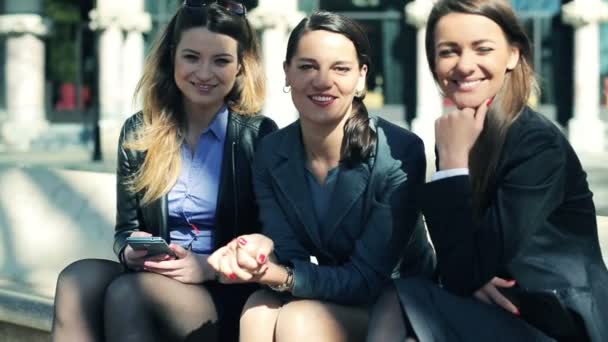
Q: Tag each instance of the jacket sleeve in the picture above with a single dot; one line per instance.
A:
(529, 187)
(389, 223)
(128, 210)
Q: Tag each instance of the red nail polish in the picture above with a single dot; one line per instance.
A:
(517, 313)
(242, 241)
(262, 258)
(232, 276)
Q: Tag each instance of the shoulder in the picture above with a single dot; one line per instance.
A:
(531, 132)
(396, 133)
(398, 141)
(131, 125)
(255, 122)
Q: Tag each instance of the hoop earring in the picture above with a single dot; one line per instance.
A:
(286, 89)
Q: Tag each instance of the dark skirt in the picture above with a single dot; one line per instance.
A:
(437, 315)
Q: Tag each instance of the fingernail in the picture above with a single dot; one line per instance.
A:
(489, 103)
(232, 276)
(262, 258)
(516, 312)
(242, 241)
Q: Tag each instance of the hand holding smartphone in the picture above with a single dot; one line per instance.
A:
(154, 245)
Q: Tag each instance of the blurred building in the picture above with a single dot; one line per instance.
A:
(70, 67)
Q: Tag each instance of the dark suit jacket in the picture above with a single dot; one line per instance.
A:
(371, 219)
(236, 213)
(539, 229)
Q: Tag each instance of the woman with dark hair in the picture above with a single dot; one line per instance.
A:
(509, 210)
(336, 195)
(184, 174)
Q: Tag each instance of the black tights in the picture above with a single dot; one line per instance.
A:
(387, 321)
(97, 301)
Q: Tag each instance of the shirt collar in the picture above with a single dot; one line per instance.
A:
(219, 125)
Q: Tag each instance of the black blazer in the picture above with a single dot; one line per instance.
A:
(371, 220)
(236, 213)
(539, 228)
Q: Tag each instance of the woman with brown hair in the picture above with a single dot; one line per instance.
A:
(337, 195)
(184, 174)
(509, 209)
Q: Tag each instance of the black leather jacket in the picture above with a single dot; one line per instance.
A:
(237, 211)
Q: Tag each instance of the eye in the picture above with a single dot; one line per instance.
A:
(190, 57)
(222, 61)
(485, 49)
(342, 69)
(305, 67)
(446, 52)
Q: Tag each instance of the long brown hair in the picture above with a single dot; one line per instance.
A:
(161, 134)
(512, 98)
(359, 139)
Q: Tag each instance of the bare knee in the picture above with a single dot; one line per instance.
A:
(259, 316)
(306, 320)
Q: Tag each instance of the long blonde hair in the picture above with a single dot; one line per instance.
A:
(512, 98)
(161, 134)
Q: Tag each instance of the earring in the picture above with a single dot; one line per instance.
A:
(286, 89)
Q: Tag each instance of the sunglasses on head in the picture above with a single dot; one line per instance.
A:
(233, 7)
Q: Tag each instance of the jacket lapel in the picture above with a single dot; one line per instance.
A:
(289, 174)
(349, 188)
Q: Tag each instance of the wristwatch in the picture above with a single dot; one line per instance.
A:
(287, 285)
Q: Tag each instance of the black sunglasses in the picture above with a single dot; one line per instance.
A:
(233, 7)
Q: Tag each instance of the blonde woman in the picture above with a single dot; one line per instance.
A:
(184, 175)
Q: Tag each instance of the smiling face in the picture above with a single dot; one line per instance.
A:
(472, 56)
(324, 75)
(206, 66)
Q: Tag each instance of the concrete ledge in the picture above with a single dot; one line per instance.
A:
(26, 310)
(49, 218)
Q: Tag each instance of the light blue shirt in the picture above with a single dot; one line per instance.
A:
(193, 198)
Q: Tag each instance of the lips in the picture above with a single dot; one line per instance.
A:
(322, 100)
(467, 85)
(203, 88)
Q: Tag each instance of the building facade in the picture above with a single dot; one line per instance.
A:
(70, 68)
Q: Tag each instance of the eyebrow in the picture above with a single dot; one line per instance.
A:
(476, 42)
(312, 60)
(187, 50)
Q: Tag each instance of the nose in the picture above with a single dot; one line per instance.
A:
(322, 80)
(204, 71)
(466, 63)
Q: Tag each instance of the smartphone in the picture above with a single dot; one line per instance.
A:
(155, 245)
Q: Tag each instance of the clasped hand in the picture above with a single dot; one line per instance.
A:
(244, 259)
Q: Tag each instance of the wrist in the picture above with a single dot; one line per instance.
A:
(288, 282)
(208, 272)
(447, 162)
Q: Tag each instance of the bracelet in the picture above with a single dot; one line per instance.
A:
(287, 286)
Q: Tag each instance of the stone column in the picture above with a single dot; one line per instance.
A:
(121, 56)
(429, 100)
(275, 20)
(25, 101)
(587, 132)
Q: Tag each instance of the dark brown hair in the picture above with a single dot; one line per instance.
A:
(511, 98)
(359, 140)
